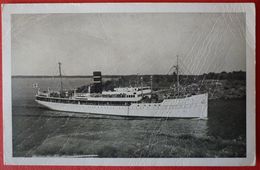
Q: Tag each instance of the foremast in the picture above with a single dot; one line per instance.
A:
(60, 75)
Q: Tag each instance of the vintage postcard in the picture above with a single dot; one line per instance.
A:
(133, 84)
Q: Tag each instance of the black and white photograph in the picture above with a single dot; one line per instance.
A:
(147, 84)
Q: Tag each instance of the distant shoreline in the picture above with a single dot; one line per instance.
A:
(89, 76)
(76, 76)
(118, 76)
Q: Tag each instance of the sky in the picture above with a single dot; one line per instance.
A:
(127, 43)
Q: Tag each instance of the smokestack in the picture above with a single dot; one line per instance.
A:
(97, 79)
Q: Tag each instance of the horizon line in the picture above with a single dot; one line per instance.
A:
(112, 75)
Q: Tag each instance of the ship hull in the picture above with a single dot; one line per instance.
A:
(190, 107)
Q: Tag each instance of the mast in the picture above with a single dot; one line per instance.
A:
(177, 72)
(61, 84)
(137, 80)
(142, 86)
(151, 79)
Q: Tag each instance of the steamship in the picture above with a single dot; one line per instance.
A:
(123, 101)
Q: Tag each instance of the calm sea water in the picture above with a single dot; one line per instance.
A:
(41, 132)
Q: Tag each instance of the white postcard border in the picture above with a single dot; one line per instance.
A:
(248, 8)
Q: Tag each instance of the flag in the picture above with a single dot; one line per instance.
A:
(35, 85)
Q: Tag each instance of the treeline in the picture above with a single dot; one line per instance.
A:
(167, 80)
(235, 75)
